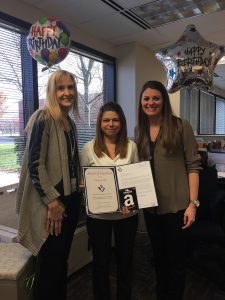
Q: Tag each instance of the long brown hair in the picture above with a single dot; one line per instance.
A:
(121, 143)
(170, 134)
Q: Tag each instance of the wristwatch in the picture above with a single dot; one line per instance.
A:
(196, 203)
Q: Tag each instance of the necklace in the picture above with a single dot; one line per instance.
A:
(72, 144)
(72, 148)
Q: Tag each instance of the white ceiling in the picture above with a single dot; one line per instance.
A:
(102, 21)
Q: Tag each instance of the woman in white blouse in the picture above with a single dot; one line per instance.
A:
(111, 147)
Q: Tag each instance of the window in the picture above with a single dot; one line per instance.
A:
(190, 106)
(22, 90)
(205, 111)
(220, 113)
(89, 75)
(11, 106)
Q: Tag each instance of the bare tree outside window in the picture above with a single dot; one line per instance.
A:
(2, 103)
(10, 100)
(10, 72)
(89, 72)
(89, 75)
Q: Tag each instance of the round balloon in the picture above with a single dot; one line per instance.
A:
(48, 41)
(190, 61)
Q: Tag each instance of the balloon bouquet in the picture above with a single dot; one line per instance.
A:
(190, 61)
(48, 41)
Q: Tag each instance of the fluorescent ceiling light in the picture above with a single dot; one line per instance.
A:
(160, 12)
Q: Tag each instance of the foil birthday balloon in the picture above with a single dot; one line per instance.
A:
(48, 41)
(190, 61)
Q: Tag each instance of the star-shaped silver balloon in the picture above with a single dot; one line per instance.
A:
(190, 61)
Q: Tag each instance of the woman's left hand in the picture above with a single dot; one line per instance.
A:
(125, 210)
(189, 216)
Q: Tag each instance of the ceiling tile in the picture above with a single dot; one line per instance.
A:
(75, 12)
(100, 20)
(150, 38)
(132, 3)
(32, 2)
(114, 25)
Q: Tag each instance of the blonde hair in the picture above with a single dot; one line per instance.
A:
(52, 107)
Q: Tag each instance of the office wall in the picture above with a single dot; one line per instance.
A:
(126, 84)
(135, 65)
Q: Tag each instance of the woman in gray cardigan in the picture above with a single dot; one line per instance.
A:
(169, 144)
(48, 198)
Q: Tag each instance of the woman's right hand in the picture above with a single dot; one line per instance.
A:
(189, 216)
(81, 185)
(55, 215)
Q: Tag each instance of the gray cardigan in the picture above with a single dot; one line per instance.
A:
(52, 167)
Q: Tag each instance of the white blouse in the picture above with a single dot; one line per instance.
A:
(89, 158)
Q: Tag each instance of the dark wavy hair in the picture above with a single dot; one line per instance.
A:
(171, 128)
(121, 142)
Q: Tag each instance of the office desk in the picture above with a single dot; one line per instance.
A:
(221, 174)
(218, 158)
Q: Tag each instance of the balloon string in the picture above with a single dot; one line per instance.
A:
(51, 68)
(45, 69)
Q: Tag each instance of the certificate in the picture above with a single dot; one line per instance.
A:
(107, 189)
(139, 176)
(101, 190)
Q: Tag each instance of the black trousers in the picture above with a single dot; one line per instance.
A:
(168, 243)
(51, 262)
(100, 234)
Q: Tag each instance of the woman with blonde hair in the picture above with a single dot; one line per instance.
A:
(48, 197)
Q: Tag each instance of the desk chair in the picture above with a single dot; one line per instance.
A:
(206, 237)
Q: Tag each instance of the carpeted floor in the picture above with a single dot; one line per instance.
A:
(202, 280)
(206, 272)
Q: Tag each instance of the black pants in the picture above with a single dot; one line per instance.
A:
(51, 262)
(100, 233)
(168, 243)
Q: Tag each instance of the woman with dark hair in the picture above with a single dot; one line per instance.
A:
(48, 198)
(111, 147)
(169, 143)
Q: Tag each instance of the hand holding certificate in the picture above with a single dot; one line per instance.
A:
(107, 189)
